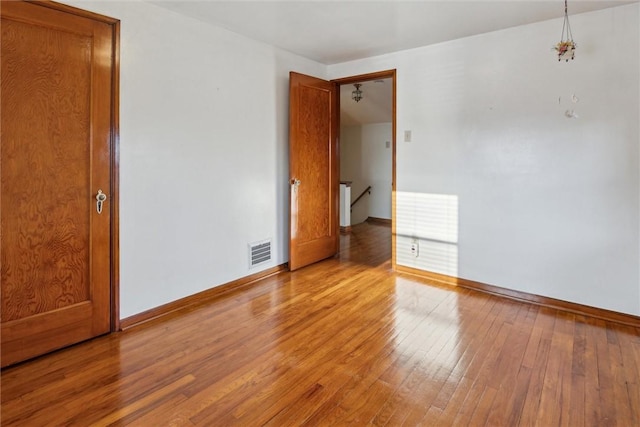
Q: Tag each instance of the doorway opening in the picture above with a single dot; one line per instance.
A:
(367, 144)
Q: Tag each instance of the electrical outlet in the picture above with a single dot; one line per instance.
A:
(414, 248)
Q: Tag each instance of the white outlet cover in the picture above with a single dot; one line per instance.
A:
(414, 248)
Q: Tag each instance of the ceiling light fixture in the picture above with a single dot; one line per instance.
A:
(566, 47)
(356, 95)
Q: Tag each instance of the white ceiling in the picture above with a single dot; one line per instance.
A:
(376, 105)
(337, 31)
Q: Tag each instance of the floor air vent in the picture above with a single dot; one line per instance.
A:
(259, 253)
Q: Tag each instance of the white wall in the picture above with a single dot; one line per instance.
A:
(376, 167)
(351, 169)
(203, 152)
(365, 160)
(540, 203)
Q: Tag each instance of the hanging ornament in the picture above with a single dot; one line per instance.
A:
(566, 47)
(356, 95)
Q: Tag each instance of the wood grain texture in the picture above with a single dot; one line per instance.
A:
(45, 169)
(199, 298)
(57, 139)
(313, 162)
(115, 175)
(579, 309)
(345, 230)
(384, 221)
(342, 342)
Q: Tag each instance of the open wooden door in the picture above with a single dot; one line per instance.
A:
(58, 123)
(313, 170)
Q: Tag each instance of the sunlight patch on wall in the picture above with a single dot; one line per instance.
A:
(427, 232)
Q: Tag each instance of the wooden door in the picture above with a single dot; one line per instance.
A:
(313, 169)
(57, 131)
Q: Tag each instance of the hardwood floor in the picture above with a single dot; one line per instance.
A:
(342, 342)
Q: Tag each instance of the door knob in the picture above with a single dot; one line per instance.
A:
(100, 199)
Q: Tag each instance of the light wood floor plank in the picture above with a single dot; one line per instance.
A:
(342, 342)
